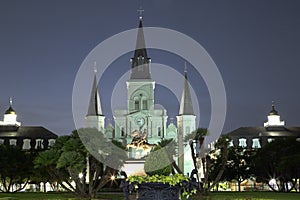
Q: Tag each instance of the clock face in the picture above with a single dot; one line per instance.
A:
(140, 121)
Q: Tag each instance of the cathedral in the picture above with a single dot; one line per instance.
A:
(141, 117)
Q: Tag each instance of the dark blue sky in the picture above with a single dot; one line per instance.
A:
(254, 43)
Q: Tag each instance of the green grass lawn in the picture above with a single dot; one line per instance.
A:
(35, 195)
(54, 196)
(212, 196)
(249, 196)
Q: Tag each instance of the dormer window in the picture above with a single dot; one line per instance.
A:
(39, 144)
(243, 142)
(255, 143)
(13, 142)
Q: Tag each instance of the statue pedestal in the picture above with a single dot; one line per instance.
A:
(134, 167)
(158, 191)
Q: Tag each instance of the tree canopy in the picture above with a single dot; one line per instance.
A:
(73, 158)
(280, 161)
(15, 168)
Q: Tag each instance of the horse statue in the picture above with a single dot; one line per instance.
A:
(139, 141)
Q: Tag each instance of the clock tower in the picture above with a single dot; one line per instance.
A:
(141, 114)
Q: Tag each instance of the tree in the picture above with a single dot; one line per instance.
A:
(79, 156)
(47, 161)
(156, 164)
(215, 163)
(212, 163)
(15, 168)
(280, 161)
(239, 165)
(41, 176)
(169, 146)
(197, 137)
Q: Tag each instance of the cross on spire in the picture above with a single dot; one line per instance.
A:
(185, 70)
(273, 105)
(95, 67)
(140, 11)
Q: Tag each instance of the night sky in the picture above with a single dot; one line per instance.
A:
(254, 43)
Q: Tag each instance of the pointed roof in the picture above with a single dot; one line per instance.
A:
(94, 104)
(273, 111)
(186, 105)
(140, 61)
(10, 110)
(140, 47)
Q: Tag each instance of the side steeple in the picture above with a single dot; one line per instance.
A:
(140, 63)
(186, 105)
(186, 123)
(94, 104)
(94, 117)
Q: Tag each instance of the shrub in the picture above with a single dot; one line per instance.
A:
(157, 163)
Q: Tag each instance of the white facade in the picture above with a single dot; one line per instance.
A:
(274, 118)
(10, 116)
(141, 116)
(94, 117)
(95, 122)
(186, 125)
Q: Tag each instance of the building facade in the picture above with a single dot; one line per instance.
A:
(257, 137)
(25, 137)
(141, 117)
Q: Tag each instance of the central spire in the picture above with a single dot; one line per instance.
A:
(140, 11)
(140, 63)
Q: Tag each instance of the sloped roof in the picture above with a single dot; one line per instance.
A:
(140, 61)
(186, 105)
(32, 132)
(269, 131)
(10, 110)
(273, 111)
(94, 108)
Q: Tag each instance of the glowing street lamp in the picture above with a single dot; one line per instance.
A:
(112, 177)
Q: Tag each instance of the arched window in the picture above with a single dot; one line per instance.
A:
(13, 142)
(51, 142)
(140, 63)
(145, 107)
(242, 142)
(187, 130)
(39, 144)
(122, 132)
(159, 131)
(136, 104)
(270, 140)
(255, 143)
(26, 144)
